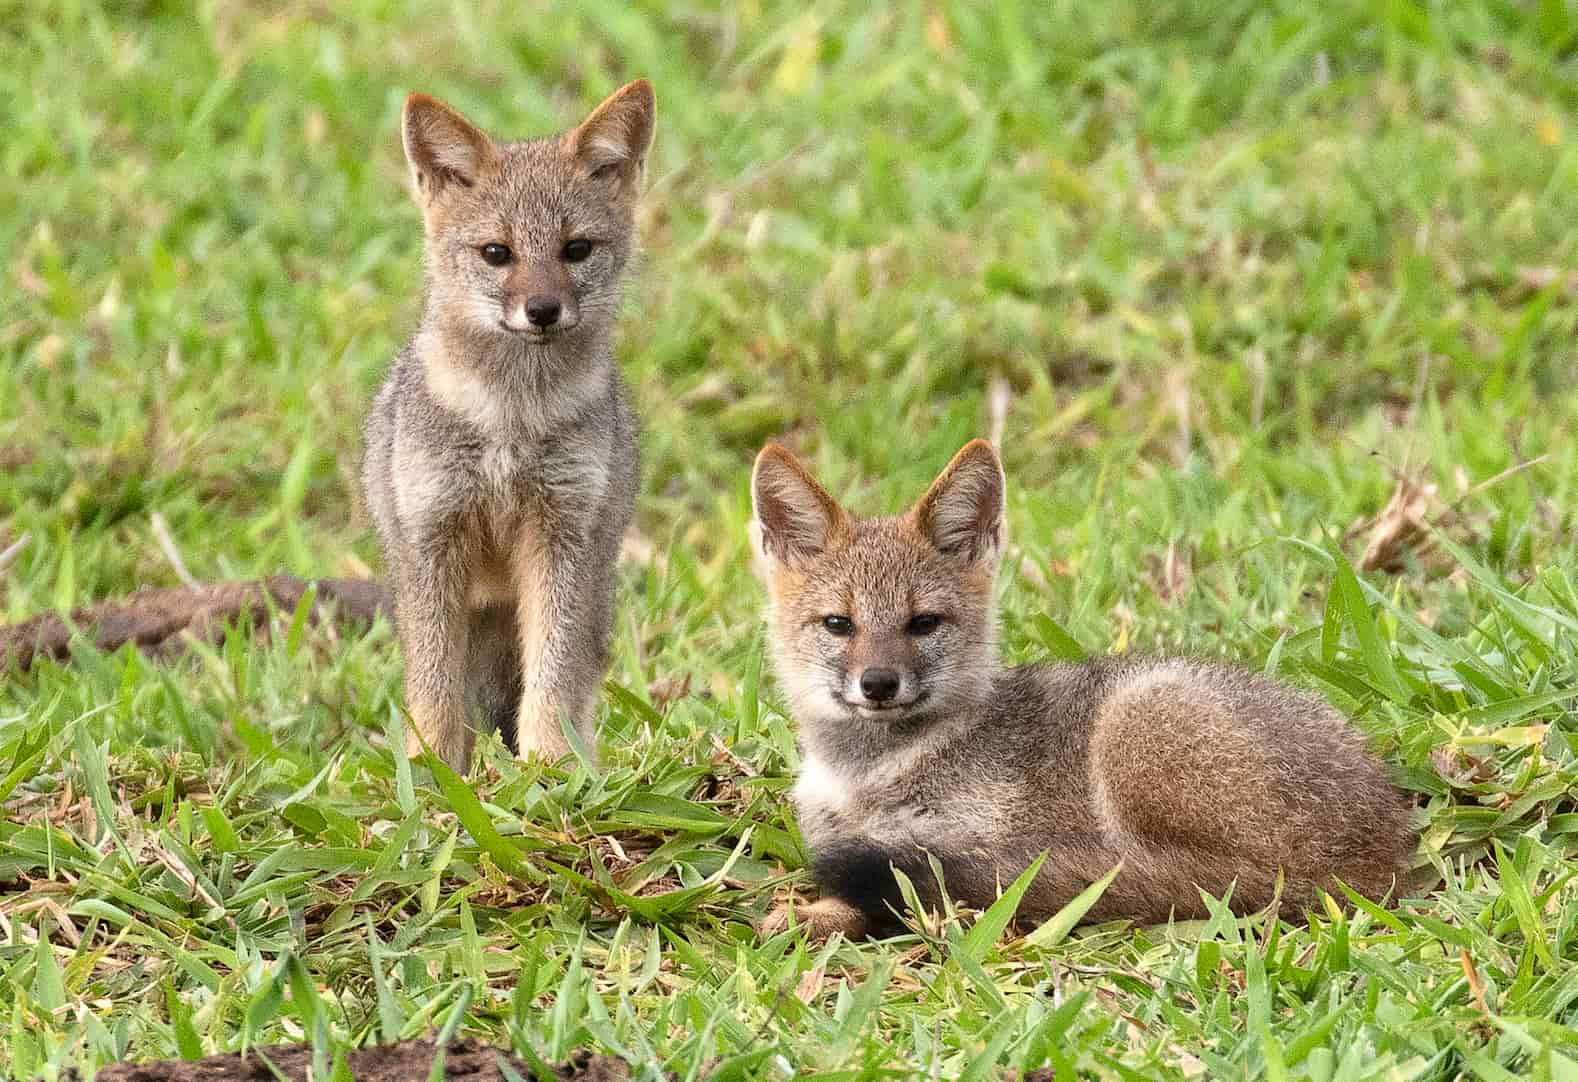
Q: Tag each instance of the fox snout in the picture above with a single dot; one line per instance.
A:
(536, 305)
(878, 687)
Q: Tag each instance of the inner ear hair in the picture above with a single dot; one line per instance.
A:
(962, 512)
(614, 140)
(796, 516)
(443, 147)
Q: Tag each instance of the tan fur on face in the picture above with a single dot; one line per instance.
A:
(820, 561)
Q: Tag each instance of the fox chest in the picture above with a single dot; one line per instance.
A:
(835, 805)
(495, 491)
(505, 489)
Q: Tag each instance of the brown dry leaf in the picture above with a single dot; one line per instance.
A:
(1403, 526)
(1000, 397)
(938, 38)
(63, 922)
(28, 280)
(1189, 1064)
(1180, 399)
(352, 566)
(48, 350)
(1028, 570)
(1475, 984)
(721, 754)
(315, 127)
(1535, 279)
(714, 390)
(1173, 574)
(810, 985)
(637, 548)
(668, 689)
(1458, 768)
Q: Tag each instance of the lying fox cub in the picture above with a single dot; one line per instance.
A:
(918, 741)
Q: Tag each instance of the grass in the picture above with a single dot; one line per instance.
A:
(1234, 269)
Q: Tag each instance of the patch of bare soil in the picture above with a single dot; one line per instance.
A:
(408, 1061)
(161, 621)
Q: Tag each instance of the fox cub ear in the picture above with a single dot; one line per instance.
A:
(795, 518)
(443, 147)
(962, 513)
(614, 140)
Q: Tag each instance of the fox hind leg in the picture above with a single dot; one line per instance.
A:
(820, 919)
(495, 669)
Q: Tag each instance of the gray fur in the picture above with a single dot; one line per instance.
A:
(501, 466)
(1196, 776)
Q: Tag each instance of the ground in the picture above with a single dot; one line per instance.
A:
(1271, 306)
(407, 1061)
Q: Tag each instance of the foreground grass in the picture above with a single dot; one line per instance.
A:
(1227, 275)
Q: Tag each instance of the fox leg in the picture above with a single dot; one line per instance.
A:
(565, 613)
(495, 668)
(431, 616)
(860, 895)
(819, 919)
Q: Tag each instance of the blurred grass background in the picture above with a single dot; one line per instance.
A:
(1229, 273)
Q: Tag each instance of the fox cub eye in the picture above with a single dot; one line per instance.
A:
(839, 625)
(577, 250)
(495, 255)
(923, 624)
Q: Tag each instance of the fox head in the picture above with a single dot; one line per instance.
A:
(528, 241)
(881, 621)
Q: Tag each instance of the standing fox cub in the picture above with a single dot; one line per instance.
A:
(501, 452)
(918, 741)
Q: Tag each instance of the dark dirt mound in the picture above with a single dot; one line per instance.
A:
(158, 621)
(409, 1061)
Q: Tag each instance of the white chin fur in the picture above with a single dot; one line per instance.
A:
(881, 713)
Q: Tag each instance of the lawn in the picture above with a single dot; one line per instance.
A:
(1247, 289)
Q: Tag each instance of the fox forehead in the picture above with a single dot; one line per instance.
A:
(882, 569)
(533, 193)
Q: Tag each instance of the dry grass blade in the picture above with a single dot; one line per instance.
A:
(1401, 528)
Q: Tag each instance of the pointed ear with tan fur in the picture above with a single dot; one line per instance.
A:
(795, 518)
(962, 513)
(614, 140)
(443, 147)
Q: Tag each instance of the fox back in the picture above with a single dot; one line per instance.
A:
(918, 743)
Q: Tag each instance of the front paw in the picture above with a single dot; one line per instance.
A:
(818, 920)
(539, 732)
(447, 738)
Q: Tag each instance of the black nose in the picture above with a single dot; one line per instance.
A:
(879, 685)
(543, 311)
